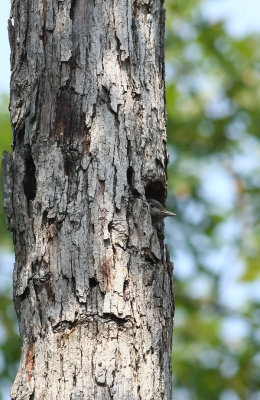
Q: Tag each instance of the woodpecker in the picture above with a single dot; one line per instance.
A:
(158, 211)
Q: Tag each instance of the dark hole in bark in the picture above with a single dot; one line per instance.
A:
(130, 175)
(92, 282)
(25, 294)
(107, 242)
(130, 180)
(136, 193)
(44, 218)
(72, 9)
(156, 190)
(115, 318)
(110, 226)
(29, 180)
(126, 283)
(149, 259)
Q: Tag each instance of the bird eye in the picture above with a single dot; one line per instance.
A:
(152, 205)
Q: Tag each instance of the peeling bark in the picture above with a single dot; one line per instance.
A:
(92, 288)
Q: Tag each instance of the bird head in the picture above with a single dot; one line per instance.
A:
(158, 211)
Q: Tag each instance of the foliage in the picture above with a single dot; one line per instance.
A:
(9, 339)
(5, 144)
(213, 98)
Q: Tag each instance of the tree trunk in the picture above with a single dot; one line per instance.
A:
(92, 289)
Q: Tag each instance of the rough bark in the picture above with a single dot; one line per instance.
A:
(92, 289)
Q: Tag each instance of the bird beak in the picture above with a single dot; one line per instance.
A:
(166, 213)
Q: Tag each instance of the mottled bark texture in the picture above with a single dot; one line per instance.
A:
(92, 289)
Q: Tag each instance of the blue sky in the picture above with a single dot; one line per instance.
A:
(241, 17)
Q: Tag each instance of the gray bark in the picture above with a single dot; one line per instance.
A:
(92, 288)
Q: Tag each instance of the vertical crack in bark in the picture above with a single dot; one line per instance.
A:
(29, 180)
(62, 124)
(72, 9)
